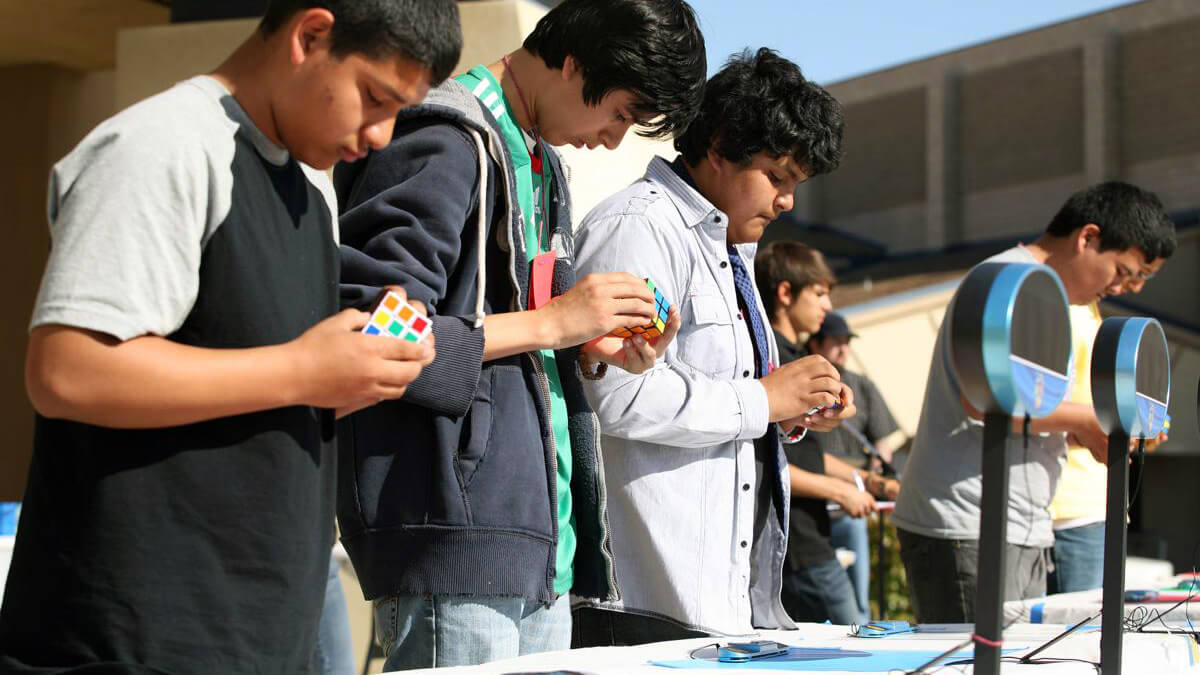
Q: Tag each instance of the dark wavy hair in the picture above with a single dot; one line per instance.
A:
(651, 48)
(761, 102)
(1127, 216)
(427, 32)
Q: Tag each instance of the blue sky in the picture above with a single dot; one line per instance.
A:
(834, 40)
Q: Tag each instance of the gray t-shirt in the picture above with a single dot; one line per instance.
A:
(155, 190)
(942, 481)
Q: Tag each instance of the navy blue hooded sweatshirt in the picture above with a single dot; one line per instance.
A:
(451, 489)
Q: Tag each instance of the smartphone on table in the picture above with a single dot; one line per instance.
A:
(738, 652)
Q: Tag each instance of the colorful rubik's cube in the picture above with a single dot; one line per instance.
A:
(656, 327)
(396, 318)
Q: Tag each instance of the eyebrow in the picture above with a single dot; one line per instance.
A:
(388, 90)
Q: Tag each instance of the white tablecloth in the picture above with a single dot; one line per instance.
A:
(1143, 653)
(1071, 608)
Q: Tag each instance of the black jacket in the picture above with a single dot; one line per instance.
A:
(451, 490)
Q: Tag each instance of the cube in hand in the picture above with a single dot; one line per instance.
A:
(393, 317)
(656, 327)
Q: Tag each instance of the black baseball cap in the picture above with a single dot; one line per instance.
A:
(834, 325)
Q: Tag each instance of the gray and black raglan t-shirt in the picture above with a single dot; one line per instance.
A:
(204, 547)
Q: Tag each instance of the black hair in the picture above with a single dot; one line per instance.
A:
(1166, 241)
(1128, 217)
(651, 48)
(426, 32)
(798, 264)
(761, 103)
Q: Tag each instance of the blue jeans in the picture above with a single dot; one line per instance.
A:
(1078, 559)
(335, 648)
(851, 533)
(436, 631)
(819, 592)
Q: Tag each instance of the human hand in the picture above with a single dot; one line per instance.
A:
(799, 386)
(855, 502)
(595, 306)
(826, 419)
(883, 488)
(634, 354)
(339, 367)
(1088, 434)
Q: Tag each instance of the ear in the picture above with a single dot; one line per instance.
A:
(309, 32)
(570, 67)
(1088, 236)
(783, 294)
(714, 160)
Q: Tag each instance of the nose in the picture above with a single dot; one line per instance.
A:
(612, 135)
(784, 202)
(826, 303)
(377, 135)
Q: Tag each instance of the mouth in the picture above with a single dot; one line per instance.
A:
(349, 155)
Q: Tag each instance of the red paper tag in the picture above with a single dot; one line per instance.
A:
(541, 278)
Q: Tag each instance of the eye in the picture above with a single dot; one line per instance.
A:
(373, 100)
(620, 117)
(775, 178)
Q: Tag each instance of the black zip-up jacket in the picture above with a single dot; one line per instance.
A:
(451, 489)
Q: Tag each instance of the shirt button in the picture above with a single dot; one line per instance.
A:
(716, 219)
(745, 486)
(724, 264)
(744, 544)
(745, 373)
(740, 317)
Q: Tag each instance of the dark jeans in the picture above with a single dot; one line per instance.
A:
(943, 575)
(1078, 559)
(605, 628)
(819, 592)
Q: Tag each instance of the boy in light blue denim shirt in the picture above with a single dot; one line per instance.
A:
(696, 479)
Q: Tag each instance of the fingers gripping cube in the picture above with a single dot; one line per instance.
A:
(396, 318)
(656, 327)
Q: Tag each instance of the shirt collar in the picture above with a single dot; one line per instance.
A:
(692, 205)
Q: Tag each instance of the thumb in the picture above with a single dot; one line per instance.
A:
(350, 319)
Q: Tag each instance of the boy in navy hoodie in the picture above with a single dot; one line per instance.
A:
(473, 505)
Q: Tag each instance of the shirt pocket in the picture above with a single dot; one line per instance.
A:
(706, 339)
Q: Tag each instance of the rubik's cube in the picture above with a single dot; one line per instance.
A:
(396, 318)
(656, 327)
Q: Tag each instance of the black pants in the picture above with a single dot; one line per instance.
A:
(593, 627)
(943, 575)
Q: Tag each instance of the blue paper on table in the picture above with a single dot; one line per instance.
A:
(824, 659)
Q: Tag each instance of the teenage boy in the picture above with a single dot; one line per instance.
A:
(472, 506)
(696, 480)
(183, 361)
(1096, 243)
(1078, 509)
(794, 282)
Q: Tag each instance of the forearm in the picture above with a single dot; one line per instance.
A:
(813, 485)
(670, 406)
(836, 468)
(1068, 417)
(515, 333)
(150, 381)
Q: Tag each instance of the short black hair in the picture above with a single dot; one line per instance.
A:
(1128, 217)
(651, 48)
(1167, 241)
(426, 32)
(761, 102)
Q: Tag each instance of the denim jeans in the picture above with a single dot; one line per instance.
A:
(1078, 559)
(851, 533)
(335, 648)
(435, 631)
(943, 575)
(818, 593)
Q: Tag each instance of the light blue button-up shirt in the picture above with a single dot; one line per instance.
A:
(683, 482)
